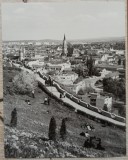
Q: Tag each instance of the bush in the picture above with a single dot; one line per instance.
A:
(105, 108)
(80, 92)
(85, 90)
(24, 82)
(63, 130)
(52, 129)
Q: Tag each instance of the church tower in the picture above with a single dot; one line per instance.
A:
(21, 54)
(64, 47)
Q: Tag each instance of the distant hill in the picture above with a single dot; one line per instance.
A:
(76, 41)
(110, 39)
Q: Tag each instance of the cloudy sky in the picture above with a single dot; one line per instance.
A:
(78, 20)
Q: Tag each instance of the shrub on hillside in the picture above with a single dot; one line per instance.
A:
(24, 82)
(80, 92)
(52, 129)
(63, 130)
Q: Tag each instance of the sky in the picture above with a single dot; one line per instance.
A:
(50, 20)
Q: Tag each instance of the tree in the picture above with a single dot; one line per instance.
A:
(105, 108)
(52, 129)
(70, 50)
(115, 86)
(95, 72)
(24, 82)
(80, 92)
(85, 52)
(119, 61)
(90, 66)
(79, 70)
(13, 122)
(124, 63)
(63, 129)
(85, 72)
(108, 85)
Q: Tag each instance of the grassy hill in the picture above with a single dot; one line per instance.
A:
(30, 138)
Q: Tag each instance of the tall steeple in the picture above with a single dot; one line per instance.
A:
(64, 47)
(64, 37)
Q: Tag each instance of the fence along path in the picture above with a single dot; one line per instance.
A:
(76, 106)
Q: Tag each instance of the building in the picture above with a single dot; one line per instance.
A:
(36, 64)
(21, 55)
(104, 57)
(113, 75)
(95, 99)
(66, 79)
(64, 47)
(58, 67)
(76, 53)
(102, 101)
(29, 51)
(107, 67)
(121, 72)
(118, 52)
(104, 72)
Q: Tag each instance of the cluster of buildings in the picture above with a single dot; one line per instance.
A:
(53, 59)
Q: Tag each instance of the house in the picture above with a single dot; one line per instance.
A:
(59, 49)
(95, 99)
(107, 67)
(36, 64)
(76, 53)
(53, 67)
(96, 61)
(78, 59)
(67, 79)
(113, 75)
(99, 51)
(58, 67)
(28, 51)
(111, 59)
(121, 72)
(67, 70)
(104, 72)
(120, 52)
(92, 52)
(104, 57)
(101, 101)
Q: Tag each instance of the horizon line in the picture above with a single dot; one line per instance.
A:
(66, 39)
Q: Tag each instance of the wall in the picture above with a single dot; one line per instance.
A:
(99, 103)
(84, 104)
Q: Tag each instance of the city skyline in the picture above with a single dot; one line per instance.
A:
(38, 21)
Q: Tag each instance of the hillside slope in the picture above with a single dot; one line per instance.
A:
(30, 137)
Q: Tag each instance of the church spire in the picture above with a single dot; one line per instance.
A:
(64, 47)
(64, 37)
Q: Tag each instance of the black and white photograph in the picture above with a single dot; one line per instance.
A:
(64, 79)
